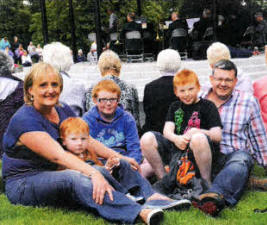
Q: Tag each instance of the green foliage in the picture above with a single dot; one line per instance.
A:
(14, 20)
(242, 214)
(156, 11)
(25, 21)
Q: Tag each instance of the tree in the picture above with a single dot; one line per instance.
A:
(15, 20)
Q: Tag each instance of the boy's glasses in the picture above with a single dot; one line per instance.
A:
(106, 100)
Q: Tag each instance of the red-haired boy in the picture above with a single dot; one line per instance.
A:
(191, 123)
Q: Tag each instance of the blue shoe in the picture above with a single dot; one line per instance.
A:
(168, 205)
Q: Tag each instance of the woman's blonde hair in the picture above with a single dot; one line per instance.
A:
(109, 60)
(38, 70)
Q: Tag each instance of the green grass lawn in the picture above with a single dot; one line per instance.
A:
(241, 214)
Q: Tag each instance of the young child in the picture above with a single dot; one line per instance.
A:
(192, 123)
(110, 124)
(74, 134)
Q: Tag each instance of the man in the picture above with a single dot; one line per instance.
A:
(260, 31)
(113, 21)
(131, 25)
(178, 43)
(201, 26)
(218, 51)
(244, 139)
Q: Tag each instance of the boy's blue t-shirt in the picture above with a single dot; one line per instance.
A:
(121, 134)
(17, 158)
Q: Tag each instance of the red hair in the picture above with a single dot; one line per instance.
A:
(108, 86)
(73, 125)
(76, 125)
(185, 77)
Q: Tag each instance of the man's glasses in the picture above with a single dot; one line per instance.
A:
(106, 100)
(226, 81)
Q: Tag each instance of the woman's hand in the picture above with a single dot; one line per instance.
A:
(100, 187)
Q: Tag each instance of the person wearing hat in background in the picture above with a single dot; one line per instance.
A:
(260, 31)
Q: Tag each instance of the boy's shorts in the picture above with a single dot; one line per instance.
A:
(167, 149)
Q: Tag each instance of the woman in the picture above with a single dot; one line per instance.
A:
(11, 93)
(60, 57)
(32, 156)
(110, 67)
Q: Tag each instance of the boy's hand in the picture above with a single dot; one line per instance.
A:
(181, 141)
(112, 162)
(191, 131)
(133, 163)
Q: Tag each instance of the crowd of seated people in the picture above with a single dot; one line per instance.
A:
(20, 55)
(176, 34)
(218, 130)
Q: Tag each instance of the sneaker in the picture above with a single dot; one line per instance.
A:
(210, 203)
(152, 216)
(137, 199)
(256, 183)
(168, 205)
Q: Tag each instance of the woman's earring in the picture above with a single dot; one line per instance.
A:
(32, 98)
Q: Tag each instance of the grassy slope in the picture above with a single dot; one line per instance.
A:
(241, 214)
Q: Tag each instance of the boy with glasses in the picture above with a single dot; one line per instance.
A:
(110, 124)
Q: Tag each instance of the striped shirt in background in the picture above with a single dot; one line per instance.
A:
(243, 127)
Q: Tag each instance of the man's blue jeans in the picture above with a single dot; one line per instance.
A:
(232, 179)
(69, 187)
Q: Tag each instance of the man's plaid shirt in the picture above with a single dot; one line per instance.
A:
(243, 127)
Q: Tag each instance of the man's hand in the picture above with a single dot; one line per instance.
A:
(181, 141)
(100, 187)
